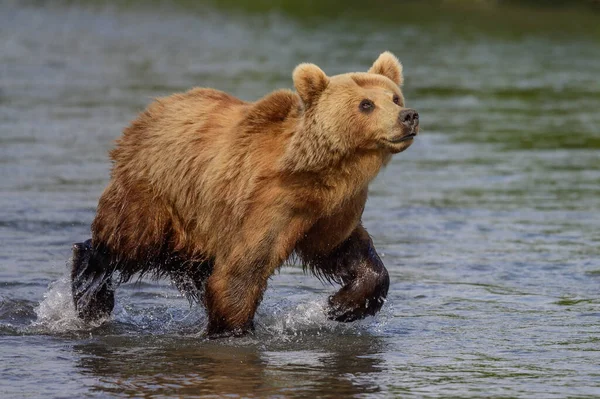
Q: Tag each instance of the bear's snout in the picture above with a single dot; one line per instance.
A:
(409, 118)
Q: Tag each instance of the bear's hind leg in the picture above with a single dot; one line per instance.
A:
(91, 282)
(190, 276)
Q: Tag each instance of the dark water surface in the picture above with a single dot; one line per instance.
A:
(489, 224)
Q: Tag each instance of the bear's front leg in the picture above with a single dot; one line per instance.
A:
(236, 286)
(356, 265)
(231, 300)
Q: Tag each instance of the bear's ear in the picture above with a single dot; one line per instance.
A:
(309, 81)
(388, 65)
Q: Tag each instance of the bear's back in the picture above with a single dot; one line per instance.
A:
(195, 159)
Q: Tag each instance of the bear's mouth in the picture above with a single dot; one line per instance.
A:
(400, 139)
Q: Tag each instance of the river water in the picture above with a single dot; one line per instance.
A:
(489, 224)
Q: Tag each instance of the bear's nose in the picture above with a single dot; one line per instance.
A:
(409, 117)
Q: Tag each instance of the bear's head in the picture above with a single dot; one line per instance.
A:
(350, 113)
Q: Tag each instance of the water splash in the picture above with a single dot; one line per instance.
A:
(158, 309)
(56, 313)
(286, 319)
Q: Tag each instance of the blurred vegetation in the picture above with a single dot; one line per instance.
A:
(512, 17)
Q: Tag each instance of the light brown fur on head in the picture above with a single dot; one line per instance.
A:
(205, 175)
(333, 127)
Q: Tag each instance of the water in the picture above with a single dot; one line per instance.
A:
(489, 224)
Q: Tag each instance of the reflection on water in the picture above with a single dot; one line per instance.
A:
(488, 224)
(345, 366)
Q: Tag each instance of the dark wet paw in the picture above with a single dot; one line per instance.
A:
(346, 313)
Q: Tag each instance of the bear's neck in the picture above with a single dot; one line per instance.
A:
(353, 173)
(310, 148)
(332, 175)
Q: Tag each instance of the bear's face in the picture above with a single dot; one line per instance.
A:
(355, 111)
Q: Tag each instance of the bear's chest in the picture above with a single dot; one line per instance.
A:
(331, 230)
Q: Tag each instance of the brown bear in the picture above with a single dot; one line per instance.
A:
(217, 193)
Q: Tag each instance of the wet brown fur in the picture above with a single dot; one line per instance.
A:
(220, 192)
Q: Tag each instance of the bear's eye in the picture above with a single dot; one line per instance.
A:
(396, 99)
(366, 105)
